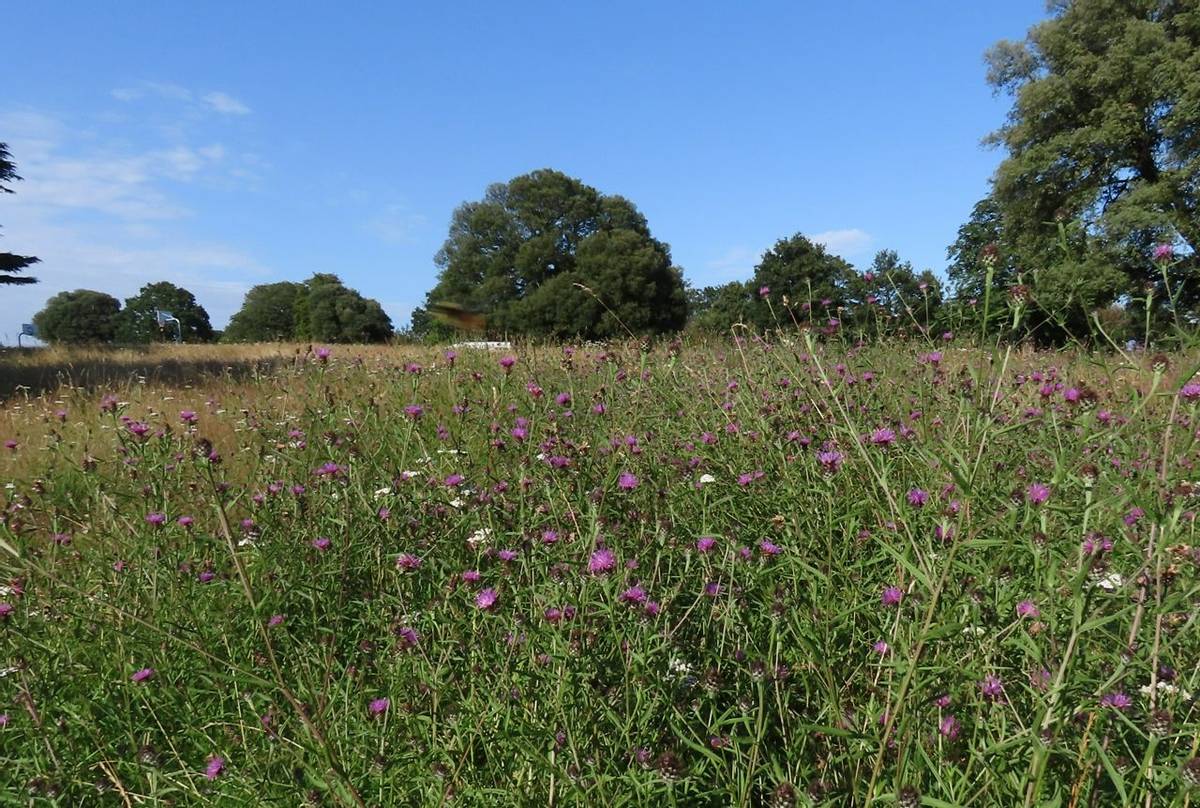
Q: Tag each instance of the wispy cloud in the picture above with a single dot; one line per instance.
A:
(396, 224)
(215, 101)
(845, 243)
(105, 216)
(225, 104)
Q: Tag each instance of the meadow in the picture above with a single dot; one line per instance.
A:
(732, 573)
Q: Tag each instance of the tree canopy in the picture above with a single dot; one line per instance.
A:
(1102, 139)
(82, 316)
(10, 264)
(523, 252)
(322, 309)
(138, 324)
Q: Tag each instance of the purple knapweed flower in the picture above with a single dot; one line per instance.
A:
(627, 481)
(216, 765)
(1116, 701)
(486, 599)
(321, 543)
(276, 620)
(763, 291)
(830, 460)
(407, 561)
(917, 498)
(883, 436)
(705, 543)
(6, 609)
(880, 647)
(949, 727)
(414, 411)
(156, 519)
(378, 707)
(1164, 252)
(634, 594)
(768, 548)
(1191, 391)
(188, 416)
(142, 675)
(991, 687)
(507, 362)
(185, 521)
(471, 576)
(454, 480)
(1037, 493)
(602, 562)
(892, 596)
(1027, 608)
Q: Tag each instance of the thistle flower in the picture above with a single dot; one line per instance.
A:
(486, 599)
(991, 687)
(1116, 701)
(627, 481)
(1027, 608)
(705, 543)
(378, 707)
(602, 562)
(892, 596)
(1037, 493)
(142, 675)
(216, 765)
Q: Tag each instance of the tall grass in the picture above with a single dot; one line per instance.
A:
(740, 573)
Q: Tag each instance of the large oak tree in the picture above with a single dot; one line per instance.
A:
(546, 255)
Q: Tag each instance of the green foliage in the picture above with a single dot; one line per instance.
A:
(137, 323)
(267, 314)
(716, 309)
(812, 285)
(322, 309)
(521, 253)
(1106, 95)
(891, 296)
(82, 316)
(10, 263)
(336, 313)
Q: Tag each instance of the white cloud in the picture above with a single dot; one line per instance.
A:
(101, 216)
(844, 242)
(396, 224)
(225, 104)
(152, 89)
(215, 101)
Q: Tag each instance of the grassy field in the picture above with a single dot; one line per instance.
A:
(726, 574)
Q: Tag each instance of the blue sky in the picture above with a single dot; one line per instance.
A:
(220, 145)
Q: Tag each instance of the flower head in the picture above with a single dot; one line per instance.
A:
(892, 596)
(216, 765)
(378, 707)
(1037, 493)
(142, 675)
(602, 562)
(486, 599)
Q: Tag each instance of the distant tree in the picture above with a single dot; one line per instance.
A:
(11, 264)
(82, 316)
(815, 283)
(1103, 131)
(521, 253)
(267, 314)
(332, 312)
(715, 309)
(137, 322)
(977, 248)
(891, 296)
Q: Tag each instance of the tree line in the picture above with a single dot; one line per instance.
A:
(1089, 230)
(321, 309)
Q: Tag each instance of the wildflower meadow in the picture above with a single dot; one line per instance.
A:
(776, 573)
